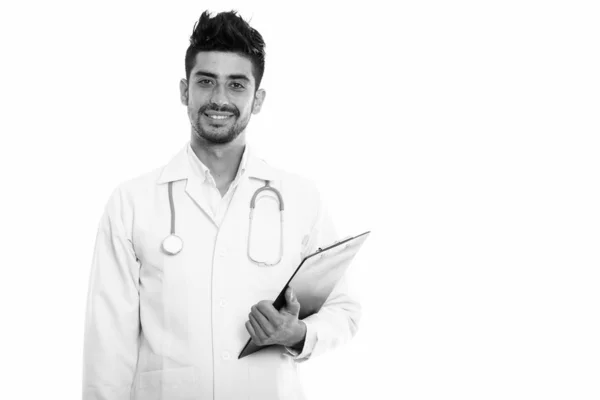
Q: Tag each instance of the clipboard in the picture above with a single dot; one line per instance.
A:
(314, 279)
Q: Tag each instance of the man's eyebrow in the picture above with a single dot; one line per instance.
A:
(206, 73)
(239, 77)
(215, 76)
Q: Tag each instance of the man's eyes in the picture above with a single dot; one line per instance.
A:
(233, 85)
(237, 86)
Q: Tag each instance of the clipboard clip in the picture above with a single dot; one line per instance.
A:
(320, 249)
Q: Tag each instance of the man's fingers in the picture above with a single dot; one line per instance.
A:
(250, 330)
(258, 331)
(265, 324)
(268, 311)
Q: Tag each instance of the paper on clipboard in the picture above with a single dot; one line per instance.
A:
(314, 279)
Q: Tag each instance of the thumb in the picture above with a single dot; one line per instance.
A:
(292, 305)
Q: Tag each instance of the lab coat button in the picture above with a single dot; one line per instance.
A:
(223, 303)
(225, 355)
(223, 252)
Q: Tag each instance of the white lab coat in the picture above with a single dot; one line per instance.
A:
(171, 327)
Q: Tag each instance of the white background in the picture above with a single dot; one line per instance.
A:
(464, 134)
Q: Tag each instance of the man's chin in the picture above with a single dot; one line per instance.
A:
(217, 137)
(219, 140)
(221, 134)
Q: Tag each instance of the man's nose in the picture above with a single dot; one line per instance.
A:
(219, 95)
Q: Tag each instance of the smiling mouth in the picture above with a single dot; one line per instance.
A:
(218, 116)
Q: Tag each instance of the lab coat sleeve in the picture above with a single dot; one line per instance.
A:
(337, 321)
(112, 314)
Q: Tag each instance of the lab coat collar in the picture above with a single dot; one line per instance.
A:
(179, 167)
(258, 168)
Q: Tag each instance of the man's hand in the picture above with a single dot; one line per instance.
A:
(268, 326)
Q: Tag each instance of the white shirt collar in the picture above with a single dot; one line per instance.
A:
(202, 170)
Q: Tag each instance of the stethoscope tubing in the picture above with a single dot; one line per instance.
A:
(172, 205)
(172, 244)
(265, 188)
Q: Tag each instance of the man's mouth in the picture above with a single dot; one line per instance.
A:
(218, 116)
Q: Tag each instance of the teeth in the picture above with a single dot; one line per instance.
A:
(218, 116)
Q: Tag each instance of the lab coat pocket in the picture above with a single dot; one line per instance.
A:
(172, 383)
(158, 267)
(273, 375)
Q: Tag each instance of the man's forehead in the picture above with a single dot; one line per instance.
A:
(222, 63)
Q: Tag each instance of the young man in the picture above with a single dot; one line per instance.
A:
(167, 318)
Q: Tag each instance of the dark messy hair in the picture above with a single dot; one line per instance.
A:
(226, 31)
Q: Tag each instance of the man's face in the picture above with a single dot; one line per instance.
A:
(220, 96)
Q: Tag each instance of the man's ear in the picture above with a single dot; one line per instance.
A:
(183, 92)
(259, 97)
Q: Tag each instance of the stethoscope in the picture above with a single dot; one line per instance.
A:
(173, 244)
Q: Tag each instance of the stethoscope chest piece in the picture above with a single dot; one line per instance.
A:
(172, 244)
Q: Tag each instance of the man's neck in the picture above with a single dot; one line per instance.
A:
(222, 160)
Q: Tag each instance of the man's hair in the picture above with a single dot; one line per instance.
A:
(228, 32)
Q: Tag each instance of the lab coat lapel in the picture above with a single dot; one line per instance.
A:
(179, 168)
(193, 188)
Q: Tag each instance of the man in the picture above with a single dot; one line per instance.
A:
(168, 322)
